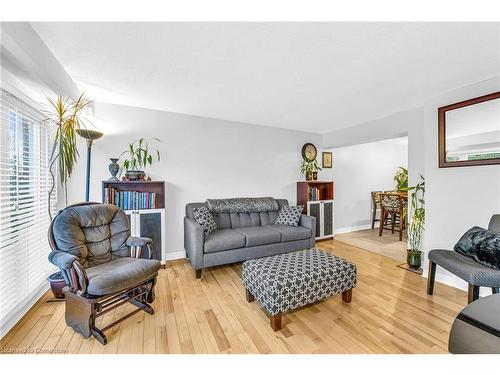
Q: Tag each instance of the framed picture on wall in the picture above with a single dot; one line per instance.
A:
(327, 159)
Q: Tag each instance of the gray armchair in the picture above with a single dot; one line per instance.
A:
(476, 274)
(103, 266)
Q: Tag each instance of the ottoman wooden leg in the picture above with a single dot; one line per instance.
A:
(250, 297)
(347, 296)
(275, 322)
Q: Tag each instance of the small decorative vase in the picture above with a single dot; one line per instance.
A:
(113, 169)
(309, 176)
(57, 284)
(315, 176)
(414, 259)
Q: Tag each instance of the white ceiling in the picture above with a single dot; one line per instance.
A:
(306, 76)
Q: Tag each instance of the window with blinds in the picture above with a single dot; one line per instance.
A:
(25, 146)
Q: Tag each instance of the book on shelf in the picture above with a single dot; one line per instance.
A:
(314, 194)
(130, 200)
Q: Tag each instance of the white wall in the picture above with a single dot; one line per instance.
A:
(358, 170)
(407, 123)
(201, 158)
(396, 125)
(456, 198)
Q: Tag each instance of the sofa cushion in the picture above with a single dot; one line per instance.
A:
(268, 217)
(289, 233)
(256, 236)
(224, 239)
(243, 219)
(119, 274)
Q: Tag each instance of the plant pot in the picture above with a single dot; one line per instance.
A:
(414, 259)
(57, 284)
(309, 176)
(315, 176)
(135, 175)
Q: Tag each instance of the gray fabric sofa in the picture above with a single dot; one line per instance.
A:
(243, 235)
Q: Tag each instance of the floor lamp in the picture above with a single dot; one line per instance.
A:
(90, 136)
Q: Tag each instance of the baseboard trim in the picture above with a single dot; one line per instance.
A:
(352, 229)
(175, 255)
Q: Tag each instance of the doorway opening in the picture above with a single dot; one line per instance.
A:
(362, 174)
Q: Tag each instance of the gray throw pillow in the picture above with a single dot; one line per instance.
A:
(289, 215)
(203, 217)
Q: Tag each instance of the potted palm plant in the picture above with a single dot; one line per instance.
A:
(68, 116)
(416, 218)
(401, 178)
(140, 155)
(310, 169)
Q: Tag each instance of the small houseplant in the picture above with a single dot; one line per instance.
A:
(140, 155)
(310, 169)
(68, 116)
(416, 217)
(401, 178)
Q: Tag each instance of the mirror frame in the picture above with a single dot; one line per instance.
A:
(442, 133)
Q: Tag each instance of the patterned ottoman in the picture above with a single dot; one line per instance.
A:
(284, 282)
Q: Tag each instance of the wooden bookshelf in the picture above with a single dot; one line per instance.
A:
(304, 191)
(157, 187)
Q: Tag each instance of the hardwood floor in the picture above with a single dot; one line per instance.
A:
(388, 244)
(389, 313)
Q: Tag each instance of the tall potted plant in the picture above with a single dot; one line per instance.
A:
(416, 218)
(310, 169)
(140, 155)
(67, 115)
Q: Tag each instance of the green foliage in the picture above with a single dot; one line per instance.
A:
(416, 216)
(141, 154)
(401, 178)
(67, 116)
(307, 167)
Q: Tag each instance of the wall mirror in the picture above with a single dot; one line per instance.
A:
(469, 132)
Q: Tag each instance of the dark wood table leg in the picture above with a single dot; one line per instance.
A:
(250, 297)
(347, 296)
(275, 322)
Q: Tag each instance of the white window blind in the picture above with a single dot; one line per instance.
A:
(25, 146)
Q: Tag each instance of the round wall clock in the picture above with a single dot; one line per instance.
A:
(309, 152)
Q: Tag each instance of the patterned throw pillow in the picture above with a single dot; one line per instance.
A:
(289, 215)
(203, 217)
